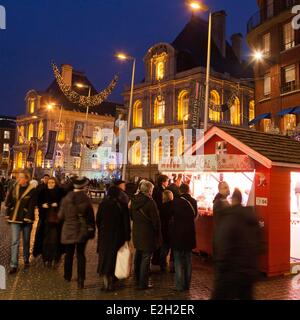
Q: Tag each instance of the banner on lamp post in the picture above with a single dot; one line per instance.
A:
(77, 139)
(51, 145)
(31, 151)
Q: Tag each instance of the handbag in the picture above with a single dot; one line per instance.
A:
(123, 262)
(86, 232)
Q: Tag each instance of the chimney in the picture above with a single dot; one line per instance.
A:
(67, 71)
(219, 30)
(236, 42)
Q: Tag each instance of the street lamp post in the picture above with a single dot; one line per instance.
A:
(85, 130)
(197, 6)
(124, 57)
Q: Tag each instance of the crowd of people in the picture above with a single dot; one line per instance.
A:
(157, 220)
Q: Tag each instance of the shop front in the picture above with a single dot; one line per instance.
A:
(266, 169)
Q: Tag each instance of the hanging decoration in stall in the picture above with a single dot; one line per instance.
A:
(81, 100)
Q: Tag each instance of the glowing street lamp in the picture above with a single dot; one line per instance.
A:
(125, 57)
(258, 55)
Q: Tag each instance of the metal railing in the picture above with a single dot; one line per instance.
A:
(290, 87)
(268, 12)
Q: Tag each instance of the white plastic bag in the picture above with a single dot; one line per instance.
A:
(124, 262)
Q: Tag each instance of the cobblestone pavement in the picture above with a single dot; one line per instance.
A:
(40, 283)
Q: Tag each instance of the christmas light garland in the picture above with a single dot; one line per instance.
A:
(76, 98)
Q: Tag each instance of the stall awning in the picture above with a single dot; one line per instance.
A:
(296, 110)
(260, 117)
(286, 111)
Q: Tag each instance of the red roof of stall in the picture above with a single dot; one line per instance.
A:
(268, 149)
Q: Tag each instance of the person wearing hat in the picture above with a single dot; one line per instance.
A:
(123, 197)
(78, 218)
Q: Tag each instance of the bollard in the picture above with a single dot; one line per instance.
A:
(2, 278)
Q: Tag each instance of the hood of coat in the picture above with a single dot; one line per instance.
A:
(138, 201)
(77, 198)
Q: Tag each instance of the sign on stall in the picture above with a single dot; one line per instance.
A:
(262, 202)
(207, 163)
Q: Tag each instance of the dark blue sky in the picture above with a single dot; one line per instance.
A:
(86, 34)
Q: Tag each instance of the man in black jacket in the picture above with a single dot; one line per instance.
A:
(237, 246)
(21, 202)
(183, 236)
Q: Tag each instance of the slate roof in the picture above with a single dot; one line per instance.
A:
(191, 46)
(277, 148)
(53, 92)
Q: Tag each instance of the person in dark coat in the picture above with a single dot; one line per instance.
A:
(113, 225)
(78, 218)
(174, 187)
(123, 197)
(237, 246)
(2, 192)
(146, 232)
(51, 199)
(162, 184)
(165, 214)
(220, 202)
(20, 203)
(183, 236)
(40, 229)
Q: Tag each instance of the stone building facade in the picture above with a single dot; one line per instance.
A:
(162, 100)
(42, 115)
(277, 80)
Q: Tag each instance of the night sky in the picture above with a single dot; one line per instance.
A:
(86, 34)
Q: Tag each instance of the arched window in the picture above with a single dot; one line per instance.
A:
(20, 160)
(30, 131)
(77, 163)
(41, 130)
(95, 162)
(251, 110)
(180, 147)
(61, 132)
(136, 153)
(39, 159)
(159, 110)
(138, 114)
(97, 135)
(59, 159)
(157, 151)
(183, 105)
(235, 112)
(31, 105)
(21, 134)
(160, 70)
(215, 100)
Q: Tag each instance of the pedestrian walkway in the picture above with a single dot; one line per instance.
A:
(40, 283)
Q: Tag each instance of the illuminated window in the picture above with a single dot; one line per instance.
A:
(235, 112)
(41, 130)
(97, 135)
(215, 100)
(160, 70)
(288, 36)
(157, 151)
(61, 133)
(266, 123)
(270, 8)
(21, 134)
(31, 103)
(20, 160)
(138, 115)
(136, 153)
(183, 105)
(95, 162)
(6, 135)
(290, 122)
(30, 131)
(180, 146)
(59, 159)
(266, 44)
(39, 159)
(267, 85)
(77, 162)
(159, 110)
(251, 110)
